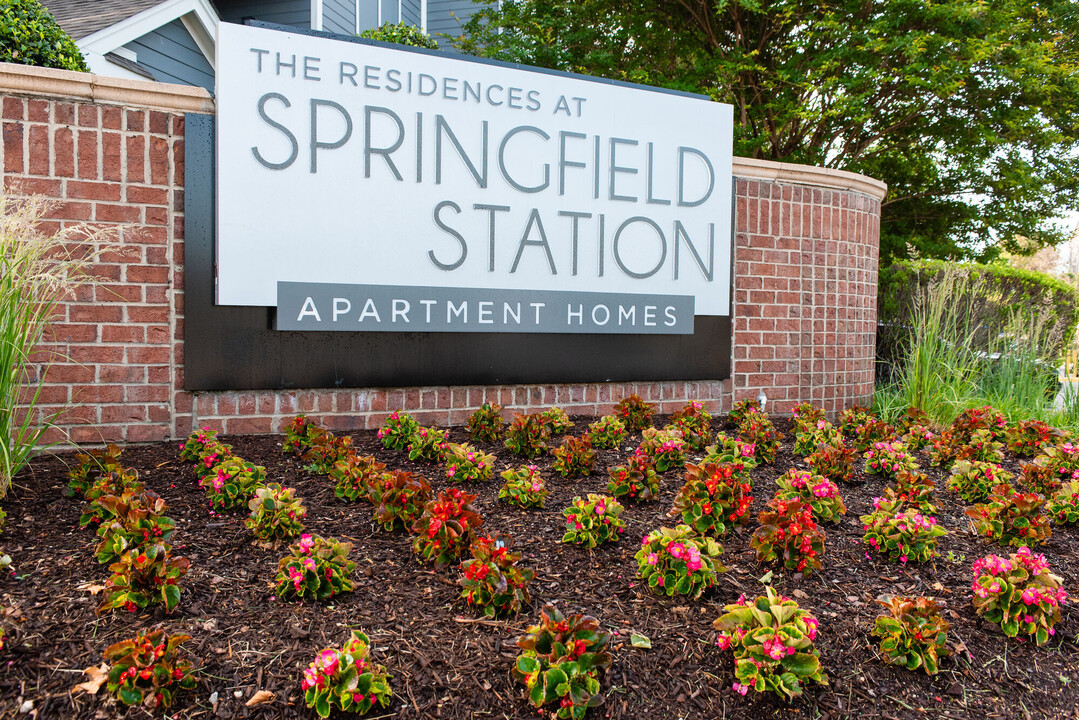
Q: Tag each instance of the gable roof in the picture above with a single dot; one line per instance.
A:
(80, 18)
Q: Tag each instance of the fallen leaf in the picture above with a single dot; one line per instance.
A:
(91, 588)
(260, 697)
(765, 578)
(801, 595)
(98, 676)
(640, 641)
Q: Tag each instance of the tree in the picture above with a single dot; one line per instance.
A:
(968, 109)
(30, 36)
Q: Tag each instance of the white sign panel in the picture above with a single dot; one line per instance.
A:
(348, 163)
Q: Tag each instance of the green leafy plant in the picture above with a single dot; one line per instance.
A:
(917, 437)
(889, 459)
(982, 446)
(299, 436)
(401, 500)
(714, 497)
(986, 418)
(114, 484)
(464, 462)
(870, 433)
(914, 489)
(820, 493)
(679, 561)
(30, 36)
(149, 669)
(608, 432)
(396, 433)
(1051, 468)
(1029, 438)
(809, 439)
(695, 423)
(401, 33)
(852, 418)
(491, 581)
(316, 568)
(137, 520)
(486, 423)
(635, 412)
(901, 534)
(324, 450)
(346, 678)
(974, 481)
(772, 641)
(1019, 594)
(636, 480)
(662, 449)
(198, 445)
(144, 576)
(1012, 518)
(806, 416)
(741, 409)
(1064, 505)
(574, 457)
(92, 464)
(835, 462)
(276, 513)
(556, 421)
(913, 634)
(560, 662)
(527, 436)
(427, 445)
(208, 465)
(593, 521)
(944, 450)
(355, 475)
(757, 429)
(788, 534)
(446, 527)
(523, 487)
(731, 450)
(233, 483)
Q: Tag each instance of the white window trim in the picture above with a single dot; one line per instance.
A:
(198, 16)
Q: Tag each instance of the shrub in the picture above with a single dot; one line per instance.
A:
(758, 430)
(901, 534)
(198, 445)
(912, 417)
(233, 483)
(889, 459)
(695, 423)
(137, 520)
(114, 484)
(300, 435)
(986, 418)
(1018, 594)
(144, 576)
(523, 487)
(714, 498)
(30, 36)
(396, 432)
(346, 678)
(1028, 438)
(403, 496)
(662, 449)
(870, 433)
(427, 445)
(91, 466)
(486, 423)
(1012, 518)
(355, 475)
(982, 446)
(635, 412)
(789, 535)
(527, 436)
(491, 580)
(1064, 505)
(593, 521)
(679, 561)
(401, 33)
(560, 661)
(636, 480)
(556, 421)
(446, 527)
(772, 641)
(727, 449)
(607, 432)
(276, 513)
(316, 568)
(917, 437)
(574, 457)
(944, 450)
(854, 417)
(149, 668)
(1050, 469)
(806, 416)
(913, 634)
(809, 439)
(820, 493)
(741, 409)
(914, 489)
(974, 481)
(208, 465)
(326, 450)
(464, 462)
(834, 462)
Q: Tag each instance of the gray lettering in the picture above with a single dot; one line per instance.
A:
(502, 160)
(563, 163)
(442, 126)
(370, 77)
(316, 144)
(311, 69)
(681, 176)
(350, 75)
(491, 209)
(680, 233)
(534, 218)
(650, 165)
(277, 126)
(662, 241)
(369, 150)
(616, 168)
(450, 231)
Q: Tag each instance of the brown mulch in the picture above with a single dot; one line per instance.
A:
(449, 663)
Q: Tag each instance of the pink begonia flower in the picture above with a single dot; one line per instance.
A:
(652, 559)
(723, 641)
(308, 564)
(306, 543)
(740, 688)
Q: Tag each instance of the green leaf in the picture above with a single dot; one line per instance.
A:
(640, 641)
(766, 578)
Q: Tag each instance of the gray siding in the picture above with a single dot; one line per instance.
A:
(171, 55)
(449, 17)
(368, 14)
(339, 16)
(410, 12)
(389, 11)
(282, 12)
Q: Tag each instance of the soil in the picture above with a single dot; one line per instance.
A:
(449, 663)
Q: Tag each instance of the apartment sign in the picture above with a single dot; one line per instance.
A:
(365, 188)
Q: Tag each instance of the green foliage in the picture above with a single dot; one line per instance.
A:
(852, 418)
(593, 521)
(1028, 438)
(446, 527)
(527, 436)
(636, 480)
(635, 412)
(870, 433)
(834, 462)
(324, 450)
(758, 430)
(1012, 518)
(346, 678)
(233, 483)
(913, 634)
(812, 437)
(820, 493)
(299, 435)
(491, 580)
(556, 421)
(607, 432)
(728, 449)
(142, 577)
(889, 459)
(679, 561)
(137, 520)
(486, 424)
(198, 445)
(662, 449)
(1050, 469)
(1064, 505)
(316, 568)
(974, 480)
(114, 484)
(401, 33)
(396, 432)
(560, 662)
(356, 477)
(30, 36)
(714, 498)
(741, 409)
(276, 513)
(695, 423)
(772, 641)
(788, 534)
(901, 534)
(523, 487)
(149, 668)
(914, 489)
(806, 415)
(574, 457)
(1018, 594)
(401, 500)
(427, 445)
(464, 462)
(92, 465)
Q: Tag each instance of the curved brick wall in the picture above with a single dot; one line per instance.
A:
(111, 152)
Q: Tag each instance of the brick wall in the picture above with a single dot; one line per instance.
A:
(804, 311)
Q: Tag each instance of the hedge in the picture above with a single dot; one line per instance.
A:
(30, 36)
(402, 34)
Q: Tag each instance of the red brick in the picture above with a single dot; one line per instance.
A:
(159, 161)
(13, 154)
(112, 117)
(159, 374)
(89, 141)
(38, 111)
(136, 120)
(148, 355)
(33, 186)
(178, 162)
(88, 116)
(148, 433)
(146, 393)
(71, 211)
(182, 402)
(151, 314)
(123, 413)
(14, 109)
(112, 159)
(95, 313)
(71, 332)
(39, 154)
(97, 435)
(136, 148)
(157, 216)
(123, 334)
(94, 190)
(248, 425)
(105, 212)
(147, 195)
(159, 122)
(97, 393)
(157, 335)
